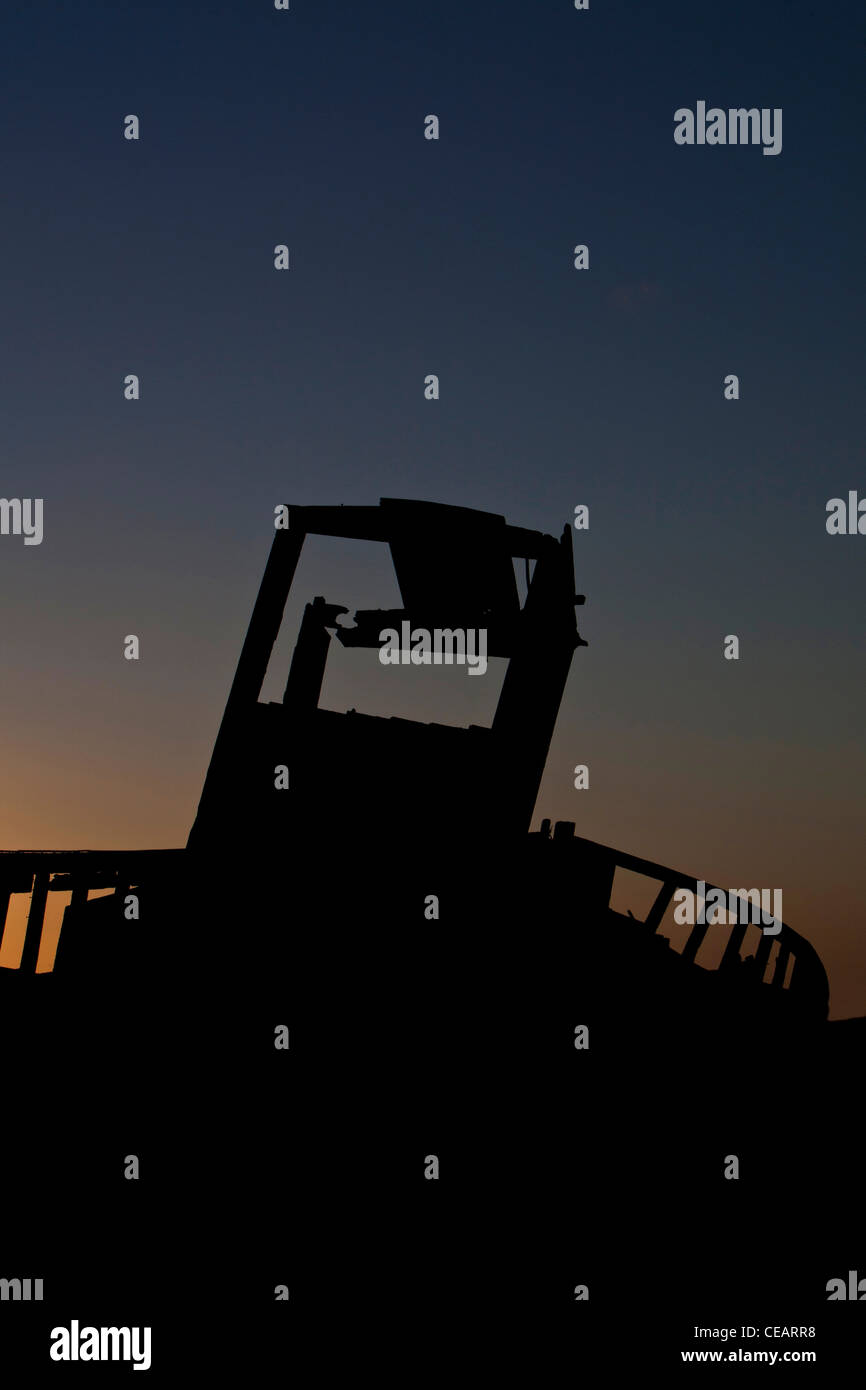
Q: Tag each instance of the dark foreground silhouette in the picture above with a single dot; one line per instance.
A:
(416, 1031)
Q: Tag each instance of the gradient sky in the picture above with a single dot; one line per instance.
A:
(707, 517)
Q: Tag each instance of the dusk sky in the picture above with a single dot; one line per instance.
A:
(558, 387)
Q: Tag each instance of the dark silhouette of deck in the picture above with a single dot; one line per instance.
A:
(415, 1033)
(407, 793)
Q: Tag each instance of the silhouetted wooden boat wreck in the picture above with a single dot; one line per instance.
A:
(428, 804)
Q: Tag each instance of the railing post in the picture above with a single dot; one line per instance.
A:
(695, 941)
(35, 919)
(781, 966)
(731, 955)
(79, 894)
(5, 894)
(660, 906)
(762, 955)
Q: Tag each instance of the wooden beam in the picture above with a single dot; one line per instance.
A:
(660, 906)
(35, 919)
(781, 966)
